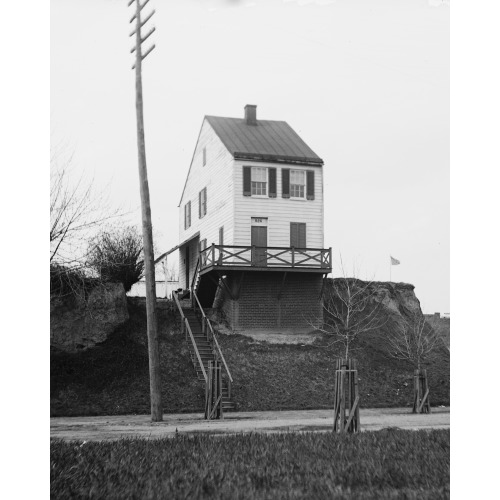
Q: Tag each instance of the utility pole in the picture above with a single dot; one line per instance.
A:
(147, 230)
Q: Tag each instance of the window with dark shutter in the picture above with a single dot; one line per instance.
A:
(202, 203)
(310, 184)
(247, 181)
(285, 182)
(272, 183)
(298, 234)
(187, 215)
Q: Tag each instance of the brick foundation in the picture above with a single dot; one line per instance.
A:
(267, 301)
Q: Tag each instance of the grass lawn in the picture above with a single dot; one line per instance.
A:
(113, 378)
(385, 464)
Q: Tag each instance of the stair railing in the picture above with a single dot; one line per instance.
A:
(207, 329)
(195, 274)
(186, 329)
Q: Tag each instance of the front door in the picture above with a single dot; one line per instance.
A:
(259, 239)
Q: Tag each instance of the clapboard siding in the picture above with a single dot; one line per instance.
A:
(216, 176)
(279, 211)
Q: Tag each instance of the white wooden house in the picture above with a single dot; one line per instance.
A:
(251, 222)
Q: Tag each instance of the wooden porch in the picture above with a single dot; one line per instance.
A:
(246, 258)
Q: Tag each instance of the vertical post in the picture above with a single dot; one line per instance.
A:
(147, 236)
(208, 393)
(416, 388)
(342, 396)
(221, 409)
(356, 396)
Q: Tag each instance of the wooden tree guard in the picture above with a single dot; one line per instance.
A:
(346, 397)
(421, 402)
(213, 392)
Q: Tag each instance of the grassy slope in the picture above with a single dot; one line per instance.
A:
(385, 464)
(273, 377)
(113, 378)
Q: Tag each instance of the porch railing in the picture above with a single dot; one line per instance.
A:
(254, 256)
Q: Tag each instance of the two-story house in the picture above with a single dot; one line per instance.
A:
(251, 223)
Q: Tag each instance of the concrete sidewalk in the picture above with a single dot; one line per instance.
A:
(128, 426)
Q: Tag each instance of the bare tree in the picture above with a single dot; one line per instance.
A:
(76, 210)
(413, 341)
(349, 311)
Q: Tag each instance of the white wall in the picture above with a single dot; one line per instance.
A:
(279, 211)
(216, 176)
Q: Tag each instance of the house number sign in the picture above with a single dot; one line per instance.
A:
(259, 220)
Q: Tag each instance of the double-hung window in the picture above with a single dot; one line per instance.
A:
(297, 183)
(259, 181)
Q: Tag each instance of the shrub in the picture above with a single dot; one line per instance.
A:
(116, 256)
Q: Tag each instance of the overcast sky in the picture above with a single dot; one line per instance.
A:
(365, 84)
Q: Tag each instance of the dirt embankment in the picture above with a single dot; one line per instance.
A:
(113, 378)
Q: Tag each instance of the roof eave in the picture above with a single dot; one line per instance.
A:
(296, 160)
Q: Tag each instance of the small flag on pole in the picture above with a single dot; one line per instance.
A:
(394, 262)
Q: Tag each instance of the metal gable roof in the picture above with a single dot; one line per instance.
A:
(269, 140)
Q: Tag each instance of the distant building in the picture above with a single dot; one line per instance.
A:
(166, 281)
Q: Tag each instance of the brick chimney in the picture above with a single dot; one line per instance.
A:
(251, 114)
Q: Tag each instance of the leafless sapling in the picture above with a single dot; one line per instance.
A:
(349, 311)
(413, 341)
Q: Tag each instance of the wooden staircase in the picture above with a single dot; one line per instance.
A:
(206, 352)
(202, 343)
